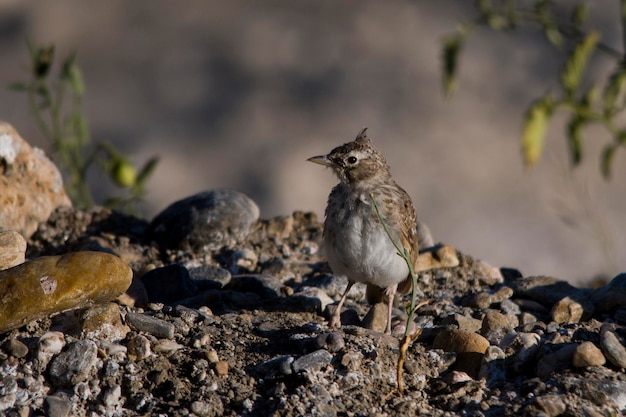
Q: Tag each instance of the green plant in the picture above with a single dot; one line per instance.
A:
(65, 126)
(602, 103)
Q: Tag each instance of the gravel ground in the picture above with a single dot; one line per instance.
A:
(258, 343)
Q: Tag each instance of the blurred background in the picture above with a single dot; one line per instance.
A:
(239, 94)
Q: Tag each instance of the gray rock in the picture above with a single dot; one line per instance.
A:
(153, 325)
(209, 277)
(280, 365)
(168, 284)
(266, 286)
(333, 341)
(57, 406)
(611, 346)
(205, 221)
(312, 361)
(75, 364)
(15, 348)
(610, 296)
(547, 290)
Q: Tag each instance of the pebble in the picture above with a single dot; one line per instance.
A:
(587, 354)
(547, 290)
(468, 346)
(266, 286)
(567, 310)
(612, 347)
(554, 358)
(75, 364)
(167, 346)
(551, 404)
(610, 296)
(208, 277)
(221, 368)
(12, 249)
(333, 341)
(48, 345)
(523, 348)
(52, 284)
(312, 361)
(280, 365)
(103, 322)
(494, 320)
(138, 347)
(205, 221)
(462, 322)
(376, 318)
(57, 406)
(15, 348)
(32, 186)
(153, 325)
(168, 284)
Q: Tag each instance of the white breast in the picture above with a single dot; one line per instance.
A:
(361, 249)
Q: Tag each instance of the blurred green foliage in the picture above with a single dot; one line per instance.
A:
(55, 102)
(564, 27)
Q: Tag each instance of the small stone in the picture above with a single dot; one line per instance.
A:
(75, 364)
(244, 258)
(32, 186)
(610, 296)
(612, 347)
(494, 320)
(352, 360)
(221, 368)
(48, 345)
(551, 404)
(153, 325)
(167, 346)
(111, 397)
(312, 361)
(201, 408)
(209, 277)
(266, 286)
(52, 284)
(487, 274)
(547, 290)
(462, 322)
(15, 348)
(280, 365)
(587, 354)
(56, 406)
(319, 297)
(139, 347)
(567, 311)
(212, 356)
(333, 342)
(12, 249)
(493, 368)
(376, 318)
(103, 322)
(468, 346)
(168, 284)
(206, 221)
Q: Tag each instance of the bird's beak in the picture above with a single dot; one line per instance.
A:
(322, 160)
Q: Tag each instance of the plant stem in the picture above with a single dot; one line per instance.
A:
(623, 22)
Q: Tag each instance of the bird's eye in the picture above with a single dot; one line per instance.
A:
(352, 160)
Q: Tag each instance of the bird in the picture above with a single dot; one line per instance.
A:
(354, 240)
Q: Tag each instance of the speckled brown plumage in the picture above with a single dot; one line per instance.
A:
(354, 240)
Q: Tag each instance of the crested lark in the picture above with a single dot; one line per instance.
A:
(354, 240)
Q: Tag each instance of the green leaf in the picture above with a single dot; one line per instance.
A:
(607, 160)
(534, 131)
(576, 63)
(614, 91)
(146, 171)
(451, 48)
(574, 136)
(73, 75)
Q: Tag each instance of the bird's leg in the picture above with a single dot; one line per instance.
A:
(335, 321)
(390, 292)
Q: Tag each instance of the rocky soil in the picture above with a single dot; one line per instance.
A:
(241, 330)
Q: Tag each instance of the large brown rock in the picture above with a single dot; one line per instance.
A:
(31, 186)
(52, 284)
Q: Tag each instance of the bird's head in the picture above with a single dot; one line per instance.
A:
(355, 161)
